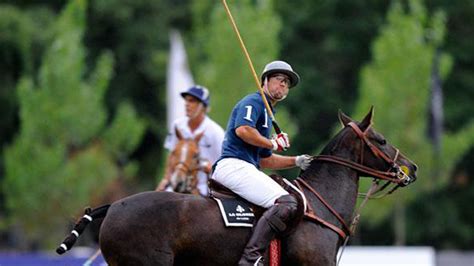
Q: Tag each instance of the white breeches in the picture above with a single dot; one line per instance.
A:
(248, 182)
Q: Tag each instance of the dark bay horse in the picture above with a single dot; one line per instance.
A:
(163, 228)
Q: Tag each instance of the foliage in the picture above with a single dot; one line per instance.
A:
(449, 227)
(221, 65)
(19, 46)
(219, 61)
(65, 153)
(327, 43)
(137, 32)
(398, 81)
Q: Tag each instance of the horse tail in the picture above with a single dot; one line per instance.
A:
(79, 227)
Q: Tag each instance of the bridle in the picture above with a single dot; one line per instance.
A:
(189, 169)
(393, 175)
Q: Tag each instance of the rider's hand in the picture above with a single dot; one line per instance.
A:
(205, 166)
(280, 142)
(303, 161)
(163, 184)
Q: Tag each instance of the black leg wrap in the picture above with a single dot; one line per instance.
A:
(80, 226)
(75, 233)
(99, 212)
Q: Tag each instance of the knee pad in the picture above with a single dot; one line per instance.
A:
(288, 206)
(280, 214)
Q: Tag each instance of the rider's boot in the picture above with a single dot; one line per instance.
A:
(261, 237)
(273, 221)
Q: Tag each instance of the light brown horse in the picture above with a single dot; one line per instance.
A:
(184, 162)
(162, 228)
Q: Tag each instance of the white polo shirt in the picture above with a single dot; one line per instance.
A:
(210, 144)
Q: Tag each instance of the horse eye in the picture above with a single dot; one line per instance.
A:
(383, 142)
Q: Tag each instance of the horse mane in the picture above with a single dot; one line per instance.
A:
(334, 144)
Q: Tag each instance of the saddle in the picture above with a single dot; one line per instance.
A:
(227, 198)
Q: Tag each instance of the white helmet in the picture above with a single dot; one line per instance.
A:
(280, 67)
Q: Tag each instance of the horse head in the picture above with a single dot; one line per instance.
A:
(372, 155)
(333, 176)
(184, 161)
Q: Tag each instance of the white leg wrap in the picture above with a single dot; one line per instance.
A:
(74, 232)
(63, 246)
(87, 217)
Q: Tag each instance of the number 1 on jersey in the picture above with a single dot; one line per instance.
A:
(249, 113)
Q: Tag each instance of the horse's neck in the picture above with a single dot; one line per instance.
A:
(337, 184)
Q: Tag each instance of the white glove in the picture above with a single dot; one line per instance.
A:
(303, 161)
(280, 142)
(205, 165)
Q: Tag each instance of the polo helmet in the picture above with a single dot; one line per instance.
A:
(280, 67)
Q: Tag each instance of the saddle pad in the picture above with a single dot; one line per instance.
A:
(235, 212)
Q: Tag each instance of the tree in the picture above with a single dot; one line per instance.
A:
(137, 32)
(398, 81)
(218, 60)
(327, 42)
(20, 47)
(66, 152)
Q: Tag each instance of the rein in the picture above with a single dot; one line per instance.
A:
(397, 177)
(389, 176)
(311, 215)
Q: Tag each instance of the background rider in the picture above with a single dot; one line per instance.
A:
(196, 121)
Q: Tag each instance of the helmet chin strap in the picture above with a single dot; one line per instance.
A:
(282, 98)
(265, 87)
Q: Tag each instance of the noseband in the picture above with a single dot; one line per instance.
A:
(182, 165)
(188, 168)
(394, 173)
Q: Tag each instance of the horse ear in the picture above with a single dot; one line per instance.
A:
(367, 121)
(343, 118)
(178, 133)
(198, 137)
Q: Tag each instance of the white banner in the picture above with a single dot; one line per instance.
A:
(179, 78)
(389, 256)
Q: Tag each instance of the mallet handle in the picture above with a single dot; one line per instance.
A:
(252, 69)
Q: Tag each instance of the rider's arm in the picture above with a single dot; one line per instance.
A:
(167, 175)
(169, 144)
(253, 137)
(276, 162)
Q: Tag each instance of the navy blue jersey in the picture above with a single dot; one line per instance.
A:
(249, 111)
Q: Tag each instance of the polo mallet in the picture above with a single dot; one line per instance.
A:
(252, 69)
